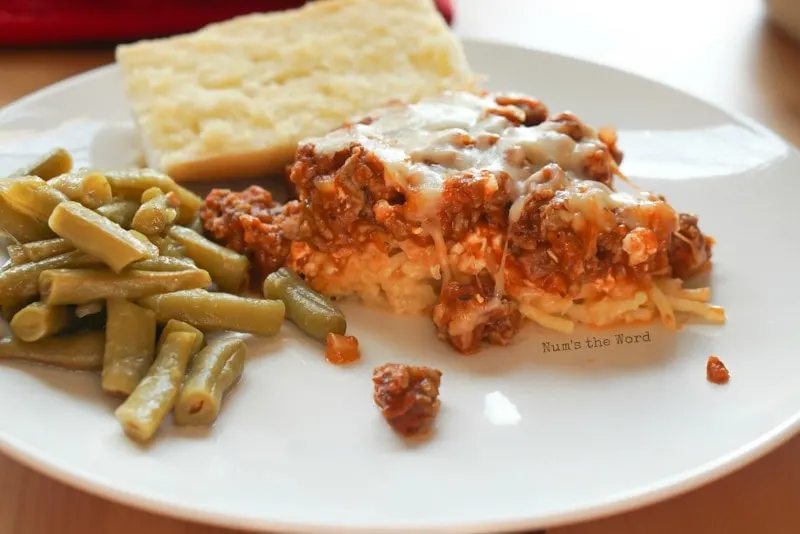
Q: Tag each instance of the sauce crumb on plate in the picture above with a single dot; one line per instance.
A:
(340, 350)
(716, 372)
(407, 395)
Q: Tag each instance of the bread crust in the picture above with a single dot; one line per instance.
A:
(234, 99)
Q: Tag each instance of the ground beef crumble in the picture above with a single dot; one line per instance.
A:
(534, 110)
(716, 372)
(407, 395)
(469, 313)
(252, 223)
(341, 350)
(472, 197)
(690, 250)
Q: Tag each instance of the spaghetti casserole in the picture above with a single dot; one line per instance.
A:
(480, 210)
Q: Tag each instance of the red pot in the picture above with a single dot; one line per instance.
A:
(51, 22)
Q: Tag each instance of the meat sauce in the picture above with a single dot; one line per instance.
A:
(407, 395)
(341, 350)
(434, 171)
(716, 372)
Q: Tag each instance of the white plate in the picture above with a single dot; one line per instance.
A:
(525, 438)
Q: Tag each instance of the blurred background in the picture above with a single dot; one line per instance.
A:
(65, 22)
(729, 51)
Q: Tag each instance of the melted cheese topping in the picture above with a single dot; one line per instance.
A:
(586, 202)
(421, 145)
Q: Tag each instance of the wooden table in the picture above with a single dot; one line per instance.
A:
(721, 50)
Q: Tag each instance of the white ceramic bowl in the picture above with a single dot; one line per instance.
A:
(786, 15)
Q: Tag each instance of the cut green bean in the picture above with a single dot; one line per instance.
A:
(150, 194)
(90, 188)
(130, 346)
(228, 268)
(196, 224)
(9, 308)
(120, 212)
(152, 250)
(16, 255)
(218, 311)
(94, 321)
(212, 373)
(37, 321)
(147, 406)
(90, 308)
(98, 236)
(38, 250)
(156, 213)
(32, 196)
(164, 263)
(80, 352)
(168, 246)
(21, 282)
(79, 286)
(173, 326)
(131, 184)
(313, 313)
(52, 164)
(20, 227)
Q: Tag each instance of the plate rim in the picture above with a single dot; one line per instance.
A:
(613, 504)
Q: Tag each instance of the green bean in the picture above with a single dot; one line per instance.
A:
(38, 250)
(91, 321)
(218, 311)
(173, 326)
(55, 162)
(212, 373)
(144, 409)
(22, 228)
(227, 268)
(168, 246)
(9, 308)
(196, 224)
(164, 263)
(32, 196)
(16, 255)
(150, 194)
(21, 282)
(79, 286)
(98, 236)
(90, 188)
(156, 213)
(130, 346)
(313, 313)
(152, 250)
(120, 212)
(83, 352)
(131, 183)
(37, 321)
(90, 308)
